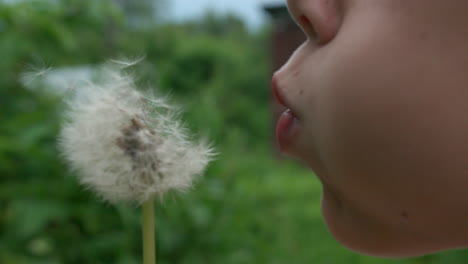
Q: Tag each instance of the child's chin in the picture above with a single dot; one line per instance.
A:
(362, 236)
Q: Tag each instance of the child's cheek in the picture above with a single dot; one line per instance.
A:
(385, 107)
(372, 102)
(390, 130)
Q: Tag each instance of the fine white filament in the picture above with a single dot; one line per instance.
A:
(128, 146)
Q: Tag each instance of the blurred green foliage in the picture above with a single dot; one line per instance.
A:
(249, 208)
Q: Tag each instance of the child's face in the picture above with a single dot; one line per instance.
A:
(379, 110)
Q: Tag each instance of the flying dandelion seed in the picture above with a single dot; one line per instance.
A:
(35, 72)
(126, 62)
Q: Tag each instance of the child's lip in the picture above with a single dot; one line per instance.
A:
(280, 98)
(286, 130)
(274, 88)
(287, 124)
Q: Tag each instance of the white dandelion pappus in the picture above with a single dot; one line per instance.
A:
(128, 61)
(127, 146)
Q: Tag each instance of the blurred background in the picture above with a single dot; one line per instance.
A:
(215, 58)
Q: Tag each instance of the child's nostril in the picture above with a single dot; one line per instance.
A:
(308, 27)
(304, 20)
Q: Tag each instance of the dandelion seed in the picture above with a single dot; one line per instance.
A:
(128, 61)
(34, 72)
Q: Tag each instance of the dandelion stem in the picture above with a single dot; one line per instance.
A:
(149, 254)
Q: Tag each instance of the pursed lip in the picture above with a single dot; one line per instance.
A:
(274, 89)
(287, 125)
(282, 100)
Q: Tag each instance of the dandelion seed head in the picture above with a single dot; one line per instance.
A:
(128, 146)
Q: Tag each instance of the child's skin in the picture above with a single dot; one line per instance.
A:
(379, 101)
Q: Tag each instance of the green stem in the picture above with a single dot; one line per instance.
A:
(149, 254)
